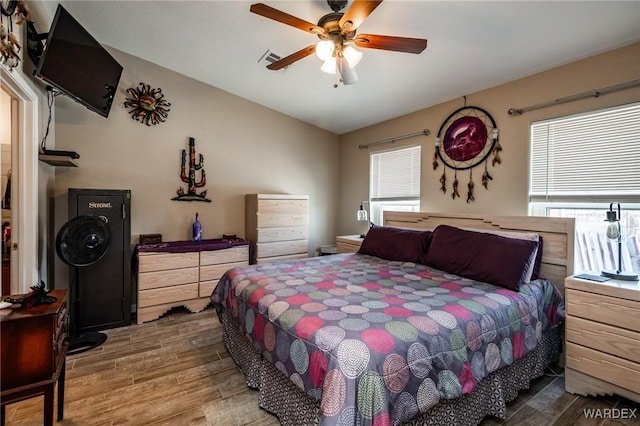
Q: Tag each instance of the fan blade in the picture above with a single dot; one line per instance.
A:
(357, 13)
(285, 18)
(288, 60)
(399, 44)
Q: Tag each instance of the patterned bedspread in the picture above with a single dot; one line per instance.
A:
(379, 342)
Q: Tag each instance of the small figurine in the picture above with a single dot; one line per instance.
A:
(197, 229)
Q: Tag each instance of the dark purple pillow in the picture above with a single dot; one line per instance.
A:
(395, 244)
(480, 256)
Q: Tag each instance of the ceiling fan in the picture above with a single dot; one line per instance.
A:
(337, 31)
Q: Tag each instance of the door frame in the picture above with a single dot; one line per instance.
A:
(24, 173)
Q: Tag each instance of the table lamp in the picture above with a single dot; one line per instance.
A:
(614, 231)
(362, 216)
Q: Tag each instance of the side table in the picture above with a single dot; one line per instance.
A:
(603, 337)
(348, 243)
(33, 346)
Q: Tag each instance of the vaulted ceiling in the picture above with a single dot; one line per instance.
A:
(472, 45)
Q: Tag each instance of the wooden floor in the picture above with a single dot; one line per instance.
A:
(176, 371)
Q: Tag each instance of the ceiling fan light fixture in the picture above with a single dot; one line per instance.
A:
(334, 30)
(324, 49)
(352, 56)
(329, 65)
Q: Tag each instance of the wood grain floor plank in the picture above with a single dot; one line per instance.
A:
(552, 400)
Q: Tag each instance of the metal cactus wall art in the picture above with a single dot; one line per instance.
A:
(188, 175)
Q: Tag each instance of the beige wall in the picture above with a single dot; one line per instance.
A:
(247, 148)
(507, 192)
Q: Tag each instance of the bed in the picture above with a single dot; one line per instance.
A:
(440, 319)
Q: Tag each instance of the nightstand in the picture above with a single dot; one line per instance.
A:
(348, 243)
(603, 337)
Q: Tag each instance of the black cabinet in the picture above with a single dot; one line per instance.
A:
(103, 297)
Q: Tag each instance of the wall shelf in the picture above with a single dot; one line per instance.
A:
(58, 160)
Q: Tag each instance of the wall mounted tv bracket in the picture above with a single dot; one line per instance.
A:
(35, 45)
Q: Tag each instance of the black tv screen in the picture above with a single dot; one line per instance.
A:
(77, 65)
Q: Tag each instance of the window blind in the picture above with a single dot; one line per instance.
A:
(593, 156)
(395, 175)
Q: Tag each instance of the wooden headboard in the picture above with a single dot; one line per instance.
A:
(557, 234)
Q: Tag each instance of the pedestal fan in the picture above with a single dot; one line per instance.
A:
(80, 243)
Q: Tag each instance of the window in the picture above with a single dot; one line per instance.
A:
(395, 182)
(579, 165)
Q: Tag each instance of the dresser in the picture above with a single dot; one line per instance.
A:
(277, 226)
(183, 273)
(34, 348)
(348, 243)
(603, 337)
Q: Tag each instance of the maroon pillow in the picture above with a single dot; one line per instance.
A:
(395, 244)
(480, 256)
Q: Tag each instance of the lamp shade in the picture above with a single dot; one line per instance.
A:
(362, 214)
(324, 49)
(352, 56)
(614, 232)
(329, 65)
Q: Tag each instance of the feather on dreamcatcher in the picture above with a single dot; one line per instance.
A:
(466, 139)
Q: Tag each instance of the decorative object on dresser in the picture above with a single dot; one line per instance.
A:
(34, 350)
(188, 176)
(150, 238)
(603, 337)
(348, 243)
(196, 232)
(183, 273)
(277, 226)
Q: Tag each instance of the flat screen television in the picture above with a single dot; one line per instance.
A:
(77, 65)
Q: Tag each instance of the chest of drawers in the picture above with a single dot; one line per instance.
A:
(183, 273)
(603, 337)
(33, 348)
(277, 226)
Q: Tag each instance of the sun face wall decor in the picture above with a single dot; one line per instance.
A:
(147, 105)
(470, 138)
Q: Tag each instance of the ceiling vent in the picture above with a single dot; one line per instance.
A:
(269, 57)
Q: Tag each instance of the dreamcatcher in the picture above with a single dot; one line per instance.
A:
(9, 45)
(470, 138)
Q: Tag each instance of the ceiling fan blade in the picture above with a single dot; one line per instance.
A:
(271, 13)
(399, 44)
(357, 13)
(288, 60)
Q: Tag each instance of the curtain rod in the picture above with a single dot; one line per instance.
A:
(425, 132)
(583, 95)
